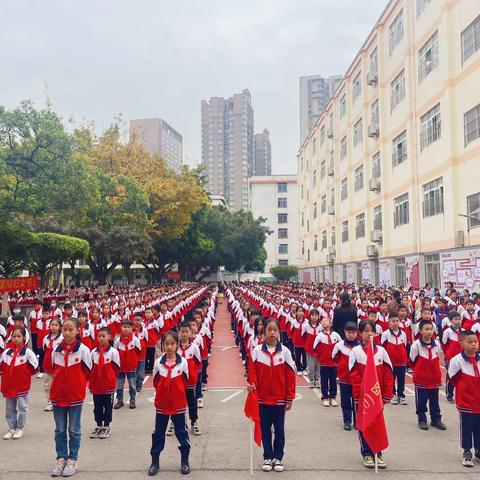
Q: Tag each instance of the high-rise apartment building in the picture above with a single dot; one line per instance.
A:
(157, 136)
(315, 92)
(228, 147)
(263, 153)
(388, 188)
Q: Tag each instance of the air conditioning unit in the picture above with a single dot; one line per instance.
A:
(460, 239)
(376, 236)
(331, 251)
(331, 210)
(330, 172)
(372, 251)
(373, 131)
(330, 258)
(372, 79)
(374, 185)
(330, 133)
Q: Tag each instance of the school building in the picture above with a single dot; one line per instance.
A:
(389, 175)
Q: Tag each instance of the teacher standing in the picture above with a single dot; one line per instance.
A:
(344, 314)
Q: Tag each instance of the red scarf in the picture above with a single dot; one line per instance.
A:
(16, 351)
(101, 356)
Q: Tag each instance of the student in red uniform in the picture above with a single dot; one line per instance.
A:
(84, 330)
(17, 365)
(323, 345)
(394, 341)
(357, 363)
(427, 378)
(299, 342)
(103, 381)
(310, 330)
(95, 324)
(129, 349)
(170, 378)
(464, 372)
(153, 335)
(142, 334)
(50, 343)
(72, 364)
(341, 355)
(273, 376)
(35, 316)
(191, 352)
(451, 346)
(42, 329)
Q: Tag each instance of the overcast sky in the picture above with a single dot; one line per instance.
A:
(158, 58)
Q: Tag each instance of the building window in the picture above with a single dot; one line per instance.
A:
(323, 169)
(283, 248)
(360, 226)
(315, 243)
(283, 262)
(428, 57)
(343, 106)
(314, 146)
(400, 214)
(314, 181)
(343, 148)
(358, 133)
(315, 210)
(322, 135)
(471, 122)
(303, 219)
(430, 127)
(433, 198)
(396, 32)
(345, 231)
(303, 248)
(332, 198)
(359, 178)
(473, 211)
(281, 187)
(374, 63)
(333, 237)
(400, 272)
(324, 240)
(399, 149)
(376, 167)
(471, 39)
(282, 218)
(432, 269)
(323, 204)
(421, 6)
(377, 218)
(397, 90)
(282, 202)
(344, 189)
(283, 233)
(375, 114)
(357, 86)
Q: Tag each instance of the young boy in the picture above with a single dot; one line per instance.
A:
(310, 330)
(129, 348)
(142, 334)
(451, 347)
(341, 354)
(464, 373)
(427, 378)
(102, 382)
(394, 341)
(382, 316)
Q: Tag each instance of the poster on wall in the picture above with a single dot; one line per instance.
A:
(365, 271)
(412, 271)
(337, 273)
(462, 268)
(350, 272)
(384, 272)
(307, 277)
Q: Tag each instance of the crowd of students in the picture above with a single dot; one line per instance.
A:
(99, 345)
(323, 331)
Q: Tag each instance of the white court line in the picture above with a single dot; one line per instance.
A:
(226, 348)
(233, 395)
(145, 379)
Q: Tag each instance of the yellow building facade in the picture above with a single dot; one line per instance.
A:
(389, 176)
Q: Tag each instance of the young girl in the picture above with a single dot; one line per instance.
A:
(17, 364)
(72, 364)
(357, 363)
(102, 383)
(50, 343)
(170, 377)
(273, 376)
(299, 342)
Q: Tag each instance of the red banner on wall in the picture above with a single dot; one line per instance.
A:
(19, 283)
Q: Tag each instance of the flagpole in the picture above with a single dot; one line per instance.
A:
(251, 447)
(376, 463)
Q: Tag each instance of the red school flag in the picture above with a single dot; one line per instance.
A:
(370, 419)
(252, 412)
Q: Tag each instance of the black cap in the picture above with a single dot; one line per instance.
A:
(351, 326)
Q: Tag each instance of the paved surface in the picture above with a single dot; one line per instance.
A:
(316, 446)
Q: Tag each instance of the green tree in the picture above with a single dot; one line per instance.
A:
(284, 272)
(15, 248)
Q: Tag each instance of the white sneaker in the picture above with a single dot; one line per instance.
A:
(70, 469)
(278, 465)
(40, 375)
(305, 373)
(170, 430)
(48, 408)
(9, 435)
(317, 383)
(325, 403)
(299, 373)
(58, 469)
(195, 429)
(311, 384)
(333, 403)
(267, 466)
(204, 387)
(200, 403)
(18, 434)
